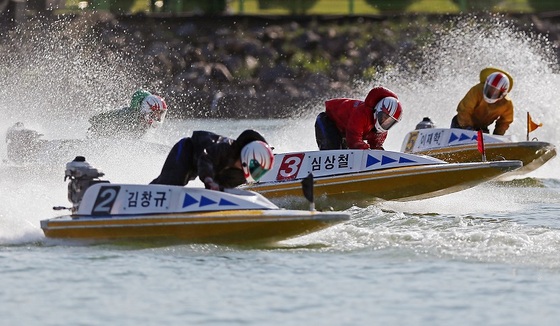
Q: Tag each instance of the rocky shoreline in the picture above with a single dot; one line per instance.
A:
(260, 67)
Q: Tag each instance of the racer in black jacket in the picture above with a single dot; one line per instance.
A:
(220, 162)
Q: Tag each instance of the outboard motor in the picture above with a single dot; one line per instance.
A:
(425, 124)
(82, 175)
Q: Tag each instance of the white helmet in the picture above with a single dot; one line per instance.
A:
(256, 159)
(387, 112)
(153, 110)
(496, 87)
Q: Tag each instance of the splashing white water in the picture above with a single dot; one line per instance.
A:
(451, 65)
(57, 87)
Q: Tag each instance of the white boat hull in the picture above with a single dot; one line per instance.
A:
(124, 211)
(460, 146)
(360, 177)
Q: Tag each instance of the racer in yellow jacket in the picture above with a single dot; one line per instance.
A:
(486, 103)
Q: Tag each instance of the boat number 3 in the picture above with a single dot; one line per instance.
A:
(290, 166)
(105, 199)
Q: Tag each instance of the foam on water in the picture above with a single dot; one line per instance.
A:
(58, 85)
(53, 79)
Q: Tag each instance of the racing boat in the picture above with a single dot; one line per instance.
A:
(105, 211)
(460, 145)
(25, 146)
(355, 177)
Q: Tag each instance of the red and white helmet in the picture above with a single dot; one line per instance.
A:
(256, 159)
(387, 112)
(153, 110)
(496, 87)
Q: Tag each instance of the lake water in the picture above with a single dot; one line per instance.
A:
(489, 255)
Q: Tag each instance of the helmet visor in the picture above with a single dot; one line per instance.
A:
(492, 92)
(155, 117)
(256, 170)
(385, 120)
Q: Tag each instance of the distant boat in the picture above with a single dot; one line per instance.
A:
(460, 146)
(24, 146)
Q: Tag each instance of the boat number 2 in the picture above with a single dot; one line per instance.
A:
(105, 199)
(290, 166)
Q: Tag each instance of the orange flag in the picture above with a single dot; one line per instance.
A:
(531, 125)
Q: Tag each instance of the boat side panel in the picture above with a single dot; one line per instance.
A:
(127, 199)
(433, 138)
(298, 165)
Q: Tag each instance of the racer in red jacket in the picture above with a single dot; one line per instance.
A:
(356, 124)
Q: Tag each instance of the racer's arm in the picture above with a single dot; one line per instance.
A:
(206, 171)
(212, 160)
(376, 140)
(504, 120)
(465, 109)
(356, 129)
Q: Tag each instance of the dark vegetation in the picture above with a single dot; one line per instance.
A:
(274, 66)
(261, 67)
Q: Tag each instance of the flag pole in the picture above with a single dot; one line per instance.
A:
(528, 122)
(480, 139)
